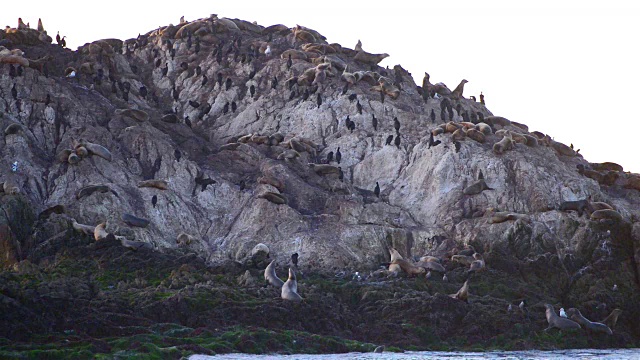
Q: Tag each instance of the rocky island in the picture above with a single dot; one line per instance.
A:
(147, 184)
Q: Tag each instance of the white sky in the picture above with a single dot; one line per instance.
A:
(566, 68)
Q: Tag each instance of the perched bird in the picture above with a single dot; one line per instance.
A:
(143, 91)
(457, 145)
(225, 110)
(219, 79)
(389, 140)
(20, 70)
(154, 200)
(289, 62)
(204, 79)
(306, 94)
(47, 100)
(319, 100)
(510, 308)
(294, 259)
(433, 116)
(615, 287)
(432, 142)
(14, 92)
(482, 98)
(359, 107)
(376, 191)
(274, 83)
(563, 313)
(228, 84)
(442, 115)
(445, 278)
(353, 97)
(187, 121)
(234, 107)
(12, 71)
(252, 90)
(374, 121)
(428, 276)
(338, 155)
(396, 124)
(268, 50)
(396, 141)
(329, 157)
(165, 69)
(194, 104)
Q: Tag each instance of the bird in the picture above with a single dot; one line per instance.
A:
(204, 79)
(359, 107)
(352, 97)
(194, 104)
(177, 154)
(442, 115)
(228, 84)
(482, 98)
(329, 157)
(457, 145)
(305, 95)
(319, 100)
(219, 79)
(187, 121)
(143, 91)
(47, 100)
(374, 121)
(12, 71)
(198, 70)
(396, 124)
(71, 74)
(396, 141)
(433, 116)
(445, 278)
(522, 305)
(563, 313)
(20, 70)
(234, 107)
(252, 90)
(175, 93)
(338, 155)
(376, 191)
(125, 96)
(274, 83)
(226, 108)
(480, 175)
(154, 200)
(432, 143)
(14, 92)
(510, 308)
(252, 74)
(289, 62)
(428, 276)
(165, 69)
(615, 287)
(389, 140)
(294, 259)
(268, 50)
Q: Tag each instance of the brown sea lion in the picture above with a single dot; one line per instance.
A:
(275, 198)
(580, 206)
(478, 264)
(607, 166)
(90, 189)
(271, 277)
(497, 120)
(410, 269)
(100, 231)
(606, 214)
(271, 181)
(556, 321)
(431, 265)
(323, 169)
(476, 188)
(395, 255)
(184, 239)
(458, 134)
(575, 315)
(133, 220)
(503, 145)
(463, 293)
(288, 155)
(158, 184)
(562, 149)
(476, 135)
(484, 128)
(135, 114)
(463, 259)
(599, 205)
(368, 58)
(83, 229)
(290, 288)
(457, 92)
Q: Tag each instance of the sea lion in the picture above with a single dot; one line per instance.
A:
(429, 258)
(96, 149)
(478, 264)
(271, 181)
(607, 166)
(497, 120)
(82, 152)
(502, 216)
(612, 319)
(556, 321)
(170, 118)
(56, 209)
(135, 114)
(408, 267)
(580, 206)
(184, 239)
(288, 155)
(158, 184)
(562, 149)
(83, 229)
(476, 188)
(532, 141)
(457, 92)
(324, 169)
(100, 231)
(73, 159)
(63, 155)
(606, 214)
(476, 135)
(132, 220)
(431, 265)
(503, 145)
(459, 134)
(90, 189)
(271, 277)
(463, 259)
(463, 293)
(275, 198)
(290, 288)
(12, 129)
(599, 205)
(395, 255)
(368, 58)
(596, 327)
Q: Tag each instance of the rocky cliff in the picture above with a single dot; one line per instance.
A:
(272, 135)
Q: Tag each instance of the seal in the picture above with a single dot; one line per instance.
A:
(184, 239)
(132, 220)
(90, 189)
(158, 184)
(457, 92)
(324, 169)
(96, 149)
(290, 288)
(612, 319)
(269, 180)
(100, 231)
(606, 214)
(83, 229)
(476, 188)
(288, 155)
(463, 293)
(478, 264)
(408, 267)
(463, 259)
(599, 205)
(476, 135)
(56, 209)
(135, 114)
(273, 197)
(502, 216)
(270, 275)
(580, 206)
(503, 145)
(395, 255)
(430, 264)
(556, 321)
(596, 327)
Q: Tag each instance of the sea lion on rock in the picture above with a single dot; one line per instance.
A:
(83, 229)
(431, 265)
(580, 206)
(575, 315)
(497, 120)
(271, 181)
(408, 267)
(463, 259)
(368, 58)
(599, 205)
(463, 293)
(476, 135)
(132, 220)
(458, 135)
(395, 255)
(606, 214)
(271, 277)
(324, 169)
(56, 209)
(478, 264)
(275, 198)
(562, 149)
(158, 184)
(502, 216)
(503, 145)
(184, 239)
(73, 159)
(63, 155)
(556, 321)
(100, 231)
(170, 118)
(477, 187)
(290, 288)
(612, 319)
(82, 151)
(96, 149)
(135, 114)
(12, 129)
(457, 92)
(532, 141)
(90, 189)
(607, 166)
(288, 155)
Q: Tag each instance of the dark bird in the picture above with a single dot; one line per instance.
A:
(482, 98)
(442, 115)
(382, 97)
(347, 123)
(154, 200)
(134, 69)
(19, 105)
(359, 107)
(12, 71)
(219, 57)
(184, 66)
(374, 121)
(197, 49)
(376, 191)
(234, 107)
(173, 53)
(126, 86)
(345, 88)
(194, 104)
(187, 121)
(204, 182)
(45, 70)
(47, 101)
(20, 70)
(274, 83)
(177, 154)
(165, 69)
(198, 70)
(294, 256)
(319, 100)
(58, 37)
(14, 92)
(158, 62)
(226, 108)
(457, 145)
(352, 97)
(432, 143)
(292, 95)
(450, 109)
(252, 74)
(389, 140)
(228, 84)
(465, 117)
(125, 96)
(396, 141)
(155, 98)
(351, 125)
(340, 174)
(459, 109)
(396, 124)
(204, 79)
(175, 93)
(289, 62)
(257, 115)
(114, 88)
(433, 116)
(205, 111)
(329, 157)
(480, 175)
(143, 91)
(305, 95)
(252, 90)
(219, 79)
(338, 156)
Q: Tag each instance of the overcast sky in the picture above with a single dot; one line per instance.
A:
(569, 70)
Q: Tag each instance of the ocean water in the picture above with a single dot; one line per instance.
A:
(583, 354)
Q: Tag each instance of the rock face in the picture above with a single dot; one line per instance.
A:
(240, 136)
